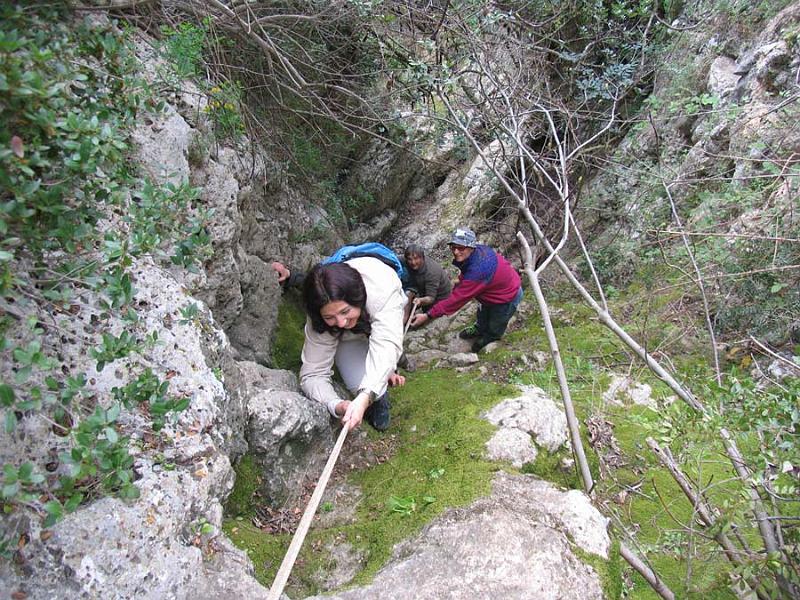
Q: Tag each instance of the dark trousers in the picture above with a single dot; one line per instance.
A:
(493, 318)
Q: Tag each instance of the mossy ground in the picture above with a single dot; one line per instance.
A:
(438, 464)
(439, 442)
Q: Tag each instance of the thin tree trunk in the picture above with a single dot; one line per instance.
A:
(566, 397)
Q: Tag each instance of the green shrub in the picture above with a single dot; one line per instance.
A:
(68, 97)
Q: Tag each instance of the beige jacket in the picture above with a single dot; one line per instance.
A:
(385, 302)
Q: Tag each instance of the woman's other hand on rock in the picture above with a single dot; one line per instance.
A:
(281, 270)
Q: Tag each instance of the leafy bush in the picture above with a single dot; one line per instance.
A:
(68, 96)
(183, 47)
(765, 422)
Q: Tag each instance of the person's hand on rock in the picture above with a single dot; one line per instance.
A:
(281, 270)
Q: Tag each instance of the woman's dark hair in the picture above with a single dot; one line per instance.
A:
(414, 249)
(330, 283)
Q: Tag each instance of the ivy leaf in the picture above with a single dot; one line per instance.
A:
(776, 288)
(10, 423)
(6, 394)
(111, 435)
(54, 512)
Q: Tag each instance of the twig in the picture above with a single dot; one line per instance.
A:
(700, 285)
(775, 354)
(650, 576)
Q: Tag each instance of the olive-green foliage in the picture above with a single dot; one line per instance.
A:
(184, 47)
(655, 508)
(68, 96)
(437, 464)
(288, 343)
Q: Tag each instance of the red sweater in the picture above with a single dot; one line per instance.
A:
(485, 276)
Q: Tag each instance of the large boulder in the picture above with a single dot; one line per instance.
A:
(290, 436)
(519, 542)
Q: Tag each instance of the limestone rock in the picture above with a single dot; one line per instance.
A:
(624, 390)
(151, 547)
(535, 413)
(290, 438)
(463, 359)
(722, 76)
(258, 377)
(162, 146)
(515, 543)
(511, 444)
(251, 330)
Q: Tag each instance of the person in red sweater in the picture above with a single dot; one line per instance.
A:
(485, 276)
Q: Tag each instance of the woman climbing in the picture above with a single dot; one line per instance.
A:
(354, 320)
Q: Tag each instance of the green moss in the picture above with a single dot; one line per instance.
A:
(548, 466)
(240, 501)
(440, 456)
(288, 342)
(612, 579)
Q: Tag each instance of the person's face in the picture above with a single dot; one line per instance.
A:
(460, 253)
(340, 314)
(414, 261)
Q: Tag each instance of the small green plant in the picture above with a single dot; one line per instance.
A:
(183, 47)
(401, 505)
(114, 347)
(149, 390)
(18, 483)
(326, 507)
(224, 108)
(203, 527)
(435, 473)
(189, 313)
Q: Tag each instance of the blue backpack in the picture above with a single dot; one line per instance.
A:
(371, 249)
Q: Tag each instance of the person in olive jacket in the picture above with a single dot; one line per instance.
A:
(427, 281)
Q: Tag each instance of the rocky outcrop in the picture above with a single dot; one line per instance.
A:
(168, 542)
(254, 217)
(290, 436)
(516, 543)
(733, 126)
(152, 547)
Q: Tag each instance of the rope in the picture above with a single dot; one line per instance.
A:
(410, 317)
(305, 522)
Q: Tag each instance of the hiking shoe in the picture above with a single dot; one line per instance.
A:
(470, 332)
(479, 344)
(377, 414)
